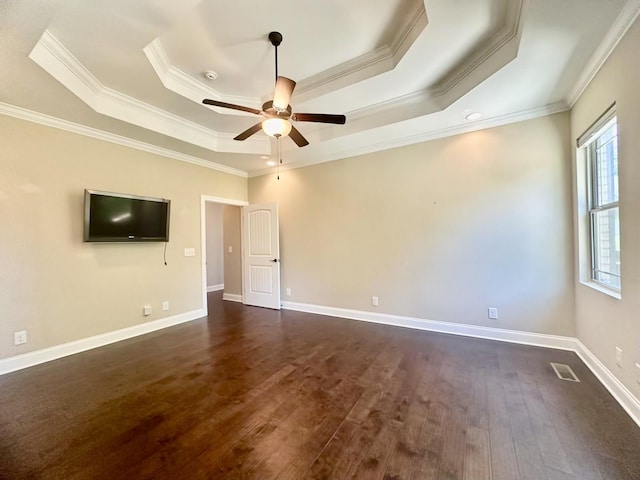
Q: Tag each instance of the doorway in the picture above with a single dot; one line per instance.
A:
(221, 248)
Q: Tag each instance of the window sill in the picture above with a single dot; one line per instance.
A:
(601, 288)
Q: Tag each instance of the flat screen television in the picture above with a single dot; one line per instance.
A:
(117, 217)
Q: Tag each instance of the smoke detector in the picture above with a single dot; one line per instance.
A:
(210, 75)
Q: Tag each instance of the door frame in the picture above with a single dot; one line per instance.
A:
(204, 199)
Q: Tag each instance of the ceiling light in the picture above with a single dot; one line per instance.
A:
(276, 127)
(271, 163)
(210, 75)
(474, 116)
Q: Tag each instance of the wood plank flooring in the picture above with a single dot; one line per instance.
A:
(250, 393)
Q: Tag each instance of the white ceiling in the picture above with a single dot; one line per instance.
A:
(403, 71)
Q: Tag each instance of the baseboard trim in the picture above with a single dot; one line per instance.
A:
(231, 297)
(620, 393)
(624, 397)
(215, 288)
(511, 336)
(37, 357)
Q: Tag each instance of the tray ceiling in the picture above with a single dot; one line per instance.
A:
(402, 71)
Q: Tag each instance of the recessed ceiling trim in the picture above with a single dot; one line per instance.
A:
(366, 147)
(49, 121)
(506, 41)
(623, 22)
(370, 64)
(498, 51)
(185, 85)
(54, 58)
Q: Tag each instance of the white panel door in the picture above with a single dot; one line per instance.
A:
(261, 278)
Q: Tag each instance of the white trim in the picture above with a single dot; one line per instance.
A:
(375, 62)
(231, 297)
(215, 288)
(602, 289)
(620, 393)
(429, 135)
(489, 333)
(48, 121)
(50, 54)
(623, 22)
(623, 396)
(185, 85)
(37, 357)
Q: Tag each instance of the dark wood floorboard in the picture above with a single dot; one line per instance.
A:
(249, 393)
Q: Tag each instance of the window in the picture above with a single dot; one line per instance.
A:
(601, 146)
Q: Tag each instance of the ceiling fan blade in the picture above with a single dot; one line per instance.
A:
(297, 137)
(248, 132)
(284, 90)
(232, 106)
(319, 117)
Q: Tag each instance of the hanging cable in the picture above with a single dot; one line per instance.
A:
(165, 252)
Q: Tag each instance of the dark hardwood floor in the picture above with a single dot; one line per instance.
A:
(251, 393)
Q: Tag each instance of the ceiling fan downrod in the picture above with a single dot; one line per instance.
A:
(276, 39)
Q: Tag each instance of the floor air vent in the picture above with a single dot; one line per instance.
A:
(564, 372)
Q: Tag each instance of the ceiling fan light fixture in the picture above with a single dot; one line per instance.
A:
(276, 127)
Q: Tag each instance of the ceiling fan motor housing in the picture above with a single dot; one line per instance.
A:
(275, 38)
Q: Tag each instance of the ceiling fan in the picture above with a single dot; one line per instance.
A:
(277, 112)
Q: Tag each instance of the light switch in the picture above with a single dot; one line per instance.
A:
(189, 252)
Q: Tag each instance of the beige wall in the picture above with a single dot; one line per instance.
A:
(60, 289)
(215, 258)
(439, 230)
(232, 260)
(604, 323)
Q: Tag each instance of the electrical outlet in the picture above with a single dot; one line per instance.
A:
(230, 249)
(374, 301)
(619, 357)
(288, 292)
(189, 252)
(20, 337)
(165, 306)
(147, 310)
(493, 313)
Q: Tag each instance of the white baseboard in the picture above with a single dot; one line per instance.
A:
(215, 288)
(623, 396)
(232, 297)
(512, 336)
(621, 393)
(37, 357)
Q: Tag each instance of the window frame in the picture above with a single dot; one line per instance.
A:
(588, 141)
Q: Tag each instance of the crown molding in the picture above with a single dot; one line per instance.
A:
(185, 85)
(497, 121)
(49, 121)
(54, 58)
(506, 39)
(383, 59)
(621, 25)
(499, 50)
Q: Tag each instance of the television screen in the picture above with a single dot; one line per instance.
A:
(115, 217)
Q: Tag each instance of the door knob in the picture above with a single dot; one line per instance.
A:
(275, 260)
